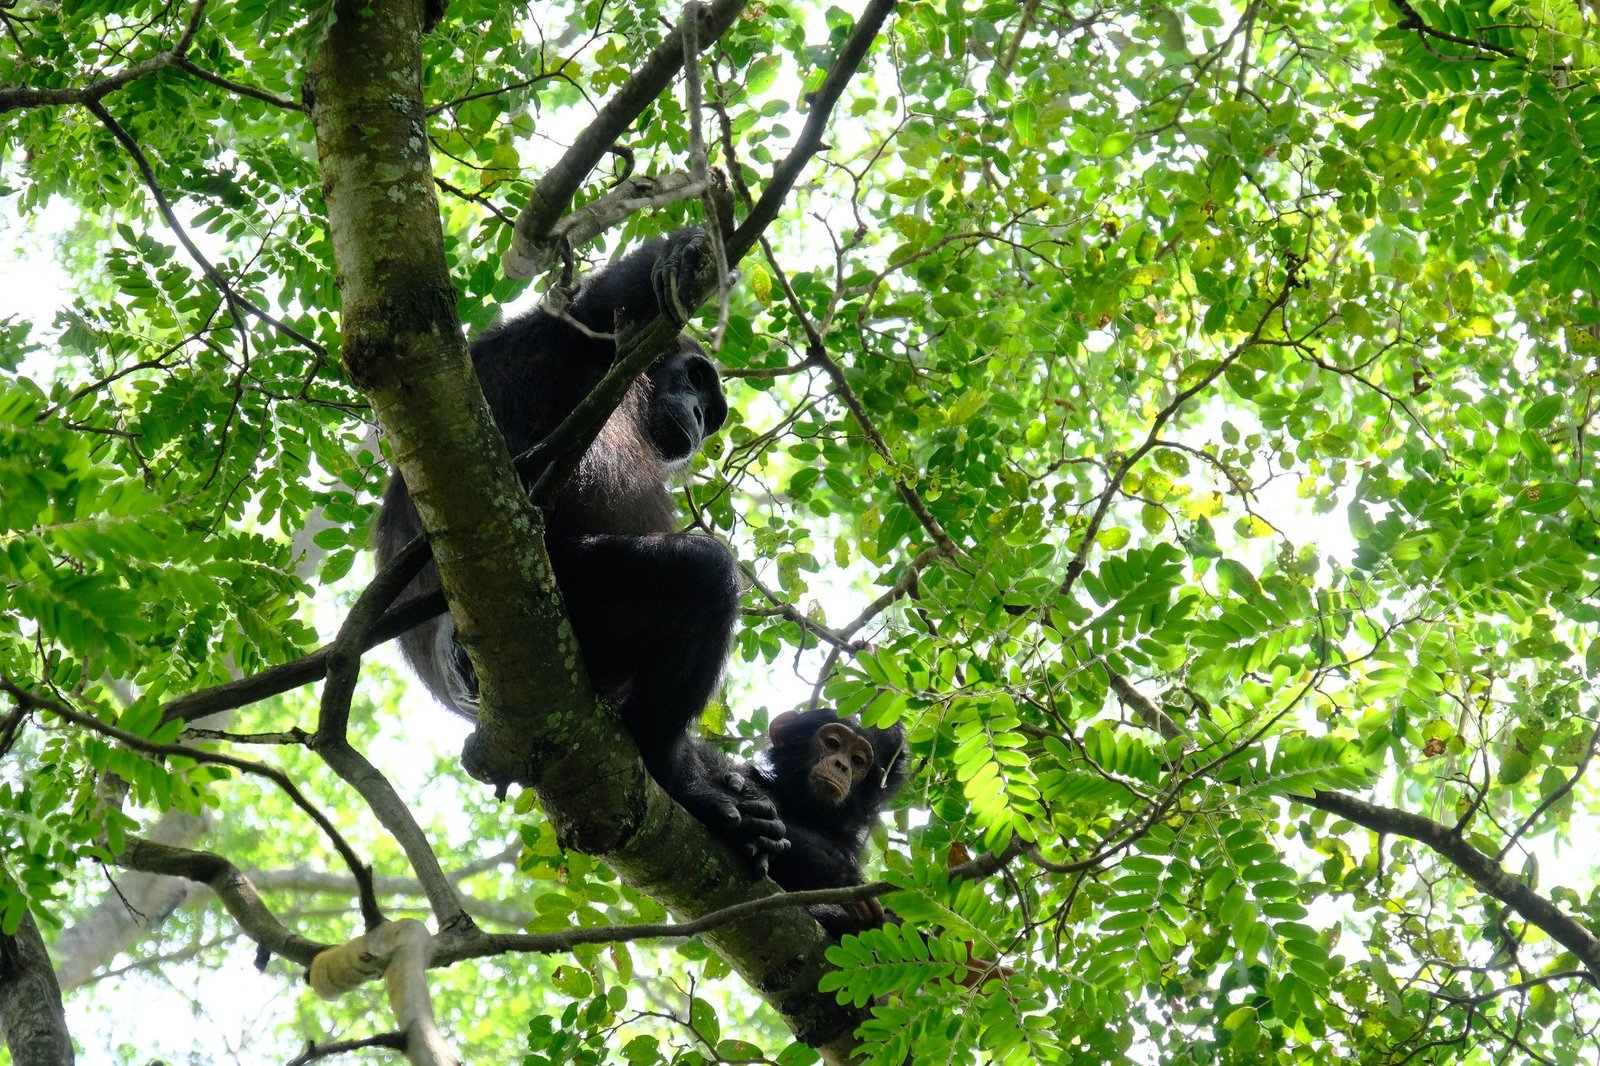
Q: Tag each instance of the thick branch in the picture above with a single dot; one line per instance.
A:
(595, 217)
(401, 952)
(639, 345)
(538, 721)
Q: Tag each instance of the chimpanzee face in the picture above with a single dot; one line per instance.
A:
(843, 758)
(686, 403)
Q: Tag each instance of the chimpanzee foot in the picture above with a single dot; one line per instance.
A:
(758, 832)
(674, 272)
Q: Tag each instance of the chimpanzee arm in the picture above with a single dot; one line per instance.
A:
(642, 283)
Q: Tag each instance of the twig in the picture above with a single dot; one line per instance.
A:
(1113, 484)
(694, 94)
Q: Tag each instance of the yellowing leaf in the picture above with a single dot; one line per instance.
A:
(761, 283)
(1114, 539)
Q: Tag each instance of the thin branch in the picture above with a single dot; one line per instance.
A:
(1075, 567)
(553, 192)
(302, 879)
(694, 105)
(1514, 989)
(305, 670)
(332, 742)
(165, 208)
(784, 609)
(1411, 19)
(149, 747)
(908, 495)
(318, 1052)
(1481, 869)
(550, 943)
(1555, 797)
(189, 65)
(232, 887)
(823, 101)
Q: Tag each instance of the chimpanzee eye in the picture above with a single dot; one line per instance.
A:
(830, 742)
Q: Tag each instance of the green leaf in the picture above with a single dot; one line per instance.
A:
(1542, 412)
(1115, 144)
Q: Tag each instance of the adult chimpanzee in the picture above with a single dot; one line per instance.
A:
(830, 778)
(653, 609)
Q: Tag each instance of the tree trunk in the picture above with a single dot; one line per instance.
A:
(31, 1019)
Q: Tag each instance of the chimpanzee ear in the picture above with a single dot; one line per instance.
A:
(782, 724)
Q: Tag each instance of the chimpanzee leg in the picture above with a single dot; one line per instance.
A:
(654, 615)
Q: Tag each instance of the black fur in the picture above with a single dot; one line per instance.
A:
(653, 609)
(826, 839)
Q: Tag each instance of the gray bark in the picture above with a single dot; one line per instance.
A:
(31, 1019)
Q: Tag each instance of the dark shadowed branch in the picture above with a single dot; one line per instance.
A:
(639, 344)
(332, 742)
(232, 887)
(318, 1052)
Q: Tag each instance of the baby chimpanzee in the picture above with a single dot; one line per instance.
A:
(829, 778)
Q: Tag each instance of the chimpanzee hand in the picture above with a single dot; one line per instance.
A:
(674, 272)
(844, 919)
(869, 912)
